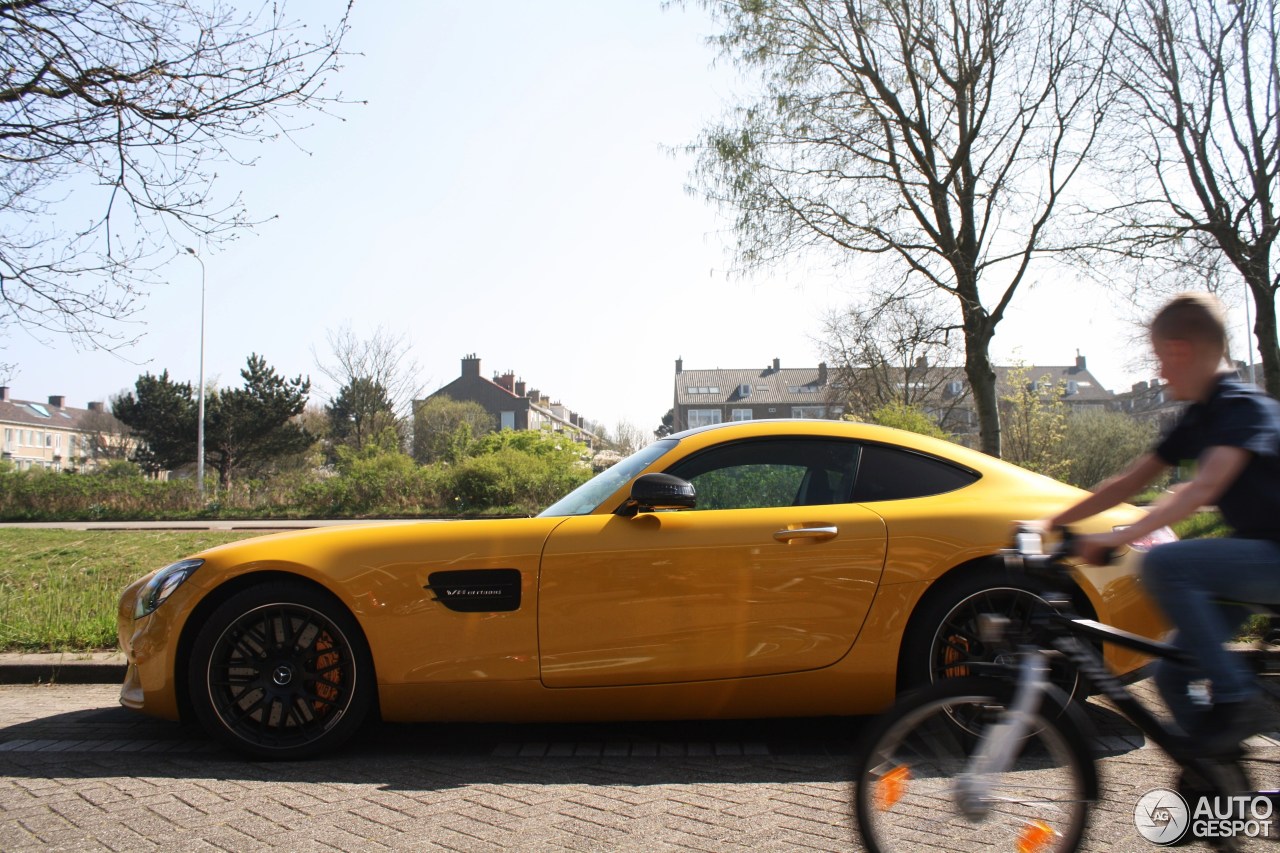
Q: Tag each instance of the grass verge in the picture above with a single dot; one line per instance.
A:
(59, 588)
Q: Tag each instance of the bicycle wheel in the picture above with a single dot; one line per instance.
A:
(910, 767)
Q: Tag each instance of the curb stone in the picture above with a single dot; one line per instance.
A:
(63, 668)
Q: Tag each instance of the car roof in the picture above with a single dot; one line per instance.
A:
(763, 427)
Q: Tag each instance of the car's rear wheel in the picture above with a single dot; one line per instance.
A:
(942, 640)
(280, 671)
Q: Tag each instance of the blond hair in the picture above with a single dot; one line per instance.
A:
(1196, 316)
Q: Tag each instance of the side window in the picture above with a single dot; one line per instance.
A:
(771, 472)
(890, 474)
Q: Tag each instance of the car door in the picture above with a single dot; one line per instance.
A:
(774, 572)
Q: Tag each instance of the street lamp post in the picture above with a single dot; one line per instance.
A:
(200, 396)
(1248, 332)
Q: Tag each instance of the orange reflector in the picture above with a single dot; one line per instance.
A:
(1036, 836)
(891, 786)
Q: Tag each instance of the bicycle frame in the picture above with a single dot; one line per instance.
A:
(1072, 637)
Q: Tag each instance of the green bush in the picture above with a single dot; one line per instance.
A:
(523, 480)
(371, 481)
(511, 472)
(1098, 444)
(910, 418)
(116, 492)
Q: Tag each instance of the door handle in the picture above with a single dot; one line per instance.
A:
(813, 534)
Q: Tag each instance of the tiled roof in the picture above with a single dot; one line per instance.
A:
(788, 385)
(30, 413)
(798, 386)
(1078, 383)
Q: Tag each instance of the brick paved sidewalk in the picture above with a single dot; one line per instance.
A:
(79, 773)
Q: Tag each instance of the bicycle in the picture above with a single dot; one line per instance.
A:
(1004, 760)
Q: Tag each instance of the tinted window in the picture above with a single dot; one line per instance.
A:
(890, 473)
(771, 472)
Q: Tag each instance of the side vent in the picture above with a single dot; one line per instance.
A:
(477, 590)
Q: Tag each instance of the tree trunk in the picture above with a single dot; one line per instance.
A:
(978, 332)
(982, 379)
(1264, 329)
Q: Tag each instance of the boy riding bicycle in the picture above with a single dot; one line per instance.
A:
(1231, 431)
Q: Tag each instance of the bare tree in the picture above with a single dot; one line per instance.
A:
(626, 438)
(895, 349)
(106, 439)
(1201, 86)
(114, 116)
(372, 375)
(937, 137)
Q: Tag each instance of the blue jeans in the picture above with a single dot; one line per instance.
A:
(1186, 579)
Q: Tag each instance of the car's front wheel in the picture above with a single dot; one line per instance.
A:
(280, 671)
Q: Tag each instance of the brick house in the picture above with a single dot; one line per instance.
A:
(704, 397)
(512, 404)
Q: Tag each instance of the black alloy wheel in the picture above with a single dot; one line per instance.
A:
(280, 671)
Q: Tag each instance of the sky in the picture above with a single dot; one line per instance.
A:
(513, 188)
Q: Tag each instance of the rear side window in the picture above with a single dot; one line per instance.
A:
(891, 474)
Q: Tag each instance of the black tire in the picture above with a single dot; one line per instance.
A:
(907, 766)
(281, 671)
(942, 639)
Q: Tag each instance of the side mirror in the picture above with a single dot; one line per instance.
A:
(656, 492)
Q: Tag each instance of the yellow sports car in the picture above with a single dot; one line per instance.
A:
(755, 569)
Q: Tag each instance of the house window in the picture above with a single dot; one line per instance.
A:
(508, 420)
(8, 440)
(740, 415)
(808, 411)
(703, 417)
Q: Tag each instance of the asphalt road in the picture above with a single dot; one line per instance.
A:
(77, 772)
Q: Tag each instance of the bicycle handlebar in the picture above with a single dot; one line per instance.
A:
(1029, 554)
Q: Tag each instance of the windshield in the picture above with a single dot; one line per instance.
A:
(588, 496)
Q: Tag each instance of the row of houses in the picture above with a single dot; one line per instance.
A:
(703, 397)
(56, 436)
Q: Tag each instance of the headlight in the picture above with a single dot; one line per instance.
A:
(162, 585)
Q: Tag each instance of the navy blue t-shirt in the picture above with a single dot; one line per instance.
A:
(1236, 415)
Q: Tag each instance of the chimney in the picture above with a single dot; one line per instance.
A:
(922, 362)
(679, 366)
(519, 388)
(471, 366)
(777, 365)
(4, 393)
(57, 401)
(506, 380)
(822, 373)
(95, 407)
(1079, 361)
(534, 394)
